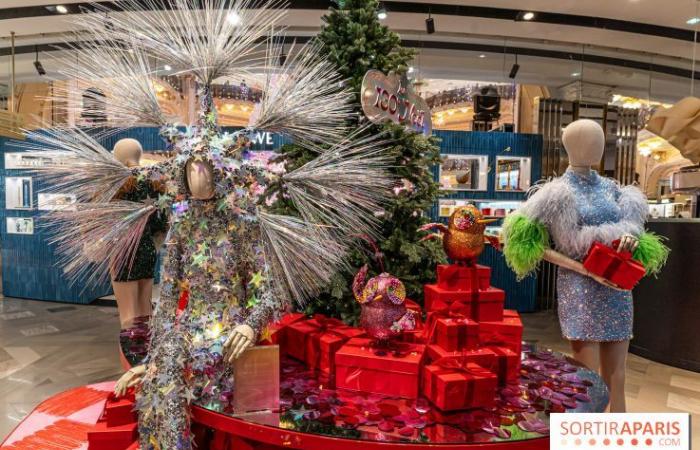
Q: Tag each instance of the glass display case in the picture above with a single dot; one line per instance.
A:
(464, 172)
(18, 193)
(20, 225)
(513, 173)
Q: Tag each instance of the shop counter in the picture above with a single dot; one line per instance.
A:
(667, 308)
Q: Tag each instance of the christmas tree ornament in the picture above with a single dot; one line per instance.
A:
(463, 237)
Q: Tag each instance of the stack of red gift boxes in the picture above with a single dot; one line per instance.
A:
(467, 347)
(117, 428)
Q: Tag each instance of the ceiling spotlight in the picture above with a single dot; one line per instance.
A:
(381, 13)
(167, 67)
(430, 24)
(529, 15)
(233, 18)
(37, 64)
(693, 21)
(576, 74)
(482, 56)
(410, 69)
(61, 9)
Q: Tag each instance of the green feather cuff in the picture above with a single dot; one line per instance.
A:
(525, 243)
(651, 252)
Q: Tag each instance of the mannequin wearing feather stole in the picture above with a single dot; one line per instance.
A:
(576, 210)
(240, 263)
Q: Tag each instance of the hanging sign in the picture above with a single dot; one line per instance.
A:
(392, 98)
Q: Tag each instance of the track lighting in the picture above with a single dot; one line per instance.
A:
(430, 24)
(37, 64)
(525, 15)
(381, 12)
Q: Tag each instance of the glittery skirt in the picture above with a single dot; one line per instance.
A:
(589, 311)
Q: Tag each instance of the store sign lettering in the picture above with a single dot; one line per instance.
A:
(392, 98)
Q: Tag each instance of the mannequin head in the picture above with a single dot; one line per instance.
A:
(584, 141)
(128, 152)
(200, 179)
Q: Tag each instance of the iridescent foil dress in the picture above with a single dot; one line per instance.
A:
(576, 210)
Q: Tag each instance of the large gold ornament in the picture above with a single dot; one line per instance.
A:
(463, 237)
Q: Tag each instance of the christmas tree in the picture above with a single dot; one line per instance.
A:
(356, 41)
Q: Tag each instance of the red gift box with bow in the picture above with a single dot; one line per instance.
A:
(618, 267)
(362, 365)
(505, 333)
(275, 334)
(462, 278)
(452, 332)
(119, 411)
(102, 437)
(507, 365)
(454, 383)
(315, 341)
(485, 357)
(481, 305)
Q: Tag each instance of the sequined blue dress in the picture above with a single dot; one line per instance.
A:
(579, 209)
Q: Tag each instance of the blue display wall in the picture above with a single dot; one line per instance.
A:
(29, 262)
(519, 295)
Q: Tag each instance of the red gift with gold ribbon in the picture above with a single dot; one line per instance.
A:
(393, 369)
(618, 267)
(315, 341)
(454, 383)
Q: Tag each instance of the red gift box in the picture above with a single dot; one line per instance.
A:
(453, 333)
(103, 437)
(482, 305)
(462, 278)
(505, 333)
(360, 366)
(119, 411)
(315, 341)
(618, 267)
(507, 365)
(453, 383)
(485, 357)
(275, 332)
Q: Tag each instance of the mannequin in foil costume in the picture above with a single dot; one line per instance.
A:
(240, 263)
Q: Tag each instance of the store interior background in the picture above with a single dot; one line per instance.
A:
(614, 62)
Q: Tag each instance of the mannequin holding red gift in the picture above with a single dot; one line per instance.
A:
(577, 210)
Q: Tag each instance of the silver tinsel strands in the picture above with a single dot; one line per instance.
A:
(345, 186)
(208, 38)
(85, 169)
(303, 256)
(120, 78)
(96, 239)
(305, 99)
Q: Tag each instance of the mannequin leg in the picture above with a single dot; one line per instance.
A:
(145, 294)
(613, 358)
(127, 294)
(587, 353)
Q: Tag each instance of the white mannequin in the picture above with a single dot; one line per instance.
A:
(584, 141)
(133, 297)
(200, 182)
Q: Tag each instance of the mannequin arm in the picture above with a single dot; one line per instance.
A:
(263, 305)
(567, 263)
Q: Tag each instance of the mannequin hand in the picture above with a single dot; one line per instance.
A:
(130, 379)
(628, 243)
(240, 339)
(605, 282)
